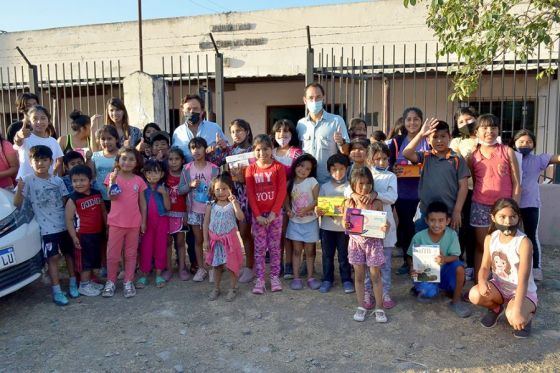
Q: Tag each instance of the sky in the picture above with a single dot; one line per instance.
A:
(41, 14)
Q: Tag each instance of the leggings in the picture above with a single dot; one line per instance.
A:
(267, 237)
(120, 238)
(154, 241)
(530, 217)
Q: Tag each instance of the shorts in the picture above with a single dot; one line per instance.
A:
(480, 215)
(370, 254)
(195, 218)
(510, 295)
(91, 250)
(303, 232)
(57, 243)
(448, 281)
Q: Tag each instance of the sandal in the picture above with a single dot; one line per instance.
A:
(160, 282)
(380, 316)
(230, 295)
(214, 294)
(142, 282)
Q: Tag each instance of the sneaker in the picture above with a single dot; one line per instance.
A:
(348, 287)
(275, 284)
(108, 290)
(231, 294)
(60, 299)
(167, 275)
(184, 275)
(388, 303)
(200, 275)
(360, 314)
(380, 316)
(403, 270)
(129, 289)
(89, 290)
(247, 275)
(96, 285)
(313, 283)
(523, 333)
(325, 287)
(469, 273)
(211, 276)
(73, 291)
(368, 300)
(297, 284)
(213, 294)
(259, 286)
(288, 271)
(491, 318)
(460, 309)
(537, 274)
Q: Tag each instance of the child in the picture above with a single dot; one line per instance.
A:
(160, 146)
(357, 129)
(358, 151)
(153, 248)
(46, 195)
(195, 179)
(126, 220)
(72, 159)
(513, 283)
(266, 190)
(303, 227)
(444, 174)
(286, 150)
(332, 229)
(177, 212)
(378, 136)
(145, 144)
(532, 166)
(452, 272)
(104, 160)
(39, 134)
(221, 241)
(366, 252)
(495, 174)
(85, 221)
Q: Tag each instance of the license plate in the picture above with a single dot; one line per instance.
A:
(7, 257)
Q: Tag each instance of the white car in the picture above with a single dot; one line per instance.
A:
(21, 257)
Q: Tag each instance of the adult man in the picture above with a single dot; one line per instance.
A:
(196, 126)
(322, 134)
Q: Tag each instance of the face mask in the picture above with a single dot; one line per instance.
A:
(283, 141)
(192, 118)
(381, 169)
(508, 230)
(314, 107)
(488, 143)
(467, 129)
(342, 181)
(525, 151)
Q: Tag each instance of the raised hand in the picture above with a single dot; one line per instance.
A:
(220, 142)
(113, 176)
(338, 139)
(429, 126)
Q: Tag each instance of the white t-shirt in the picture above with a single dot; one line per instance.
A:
(302, 196)
(28, 143)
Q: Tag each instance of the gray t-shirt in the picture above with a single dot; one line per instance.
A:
(439, 179)
(46, 199)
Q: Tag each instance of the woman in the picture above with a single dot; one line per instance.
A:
(116, 115)
(79, 140)
(9, 164)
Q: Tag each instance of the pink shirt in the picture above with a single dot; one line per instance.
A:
(125, 209)
(7, 150)
(492, 176)
(199, 196)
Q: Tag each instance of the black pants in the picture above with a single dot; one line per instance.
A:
(406, 209)
(530, 217)
(190, 247)
(466, 233)
(331, 241)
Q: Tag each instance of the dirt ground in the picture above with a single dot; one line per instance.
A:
(177, 329)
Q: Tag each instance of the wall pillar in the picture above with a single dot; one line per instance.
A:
(146, 100)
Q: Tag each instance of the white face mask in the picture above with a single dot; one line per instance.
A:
(488, 143)
(283, 140)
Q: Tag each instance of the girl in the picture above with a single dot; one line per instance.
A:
(104, 160)
(286, 150)
(117, 116)
(144, 146)
(178, 211)
(532, 166)
(358, 153)
(303, 227)
(126, 220)
(408, 177)
(154, 241)
(38, 134)
(366, 252)
(79, 140)
(266, 190)
(9, 164)
(512, 278)
(195, 179)
(357, 129)
(495, 175)
(221, 241)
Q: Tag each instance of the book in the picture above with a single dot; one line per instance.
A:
(366, 223)
(407, 170)
(240, 160)
(424, 263)
(333, 206)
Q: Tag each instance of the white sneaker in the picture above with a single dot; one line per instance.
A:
(129, 289)
(537, 274)
(380, 315)
(246, 275)
(89, 290)
(200, 275)
(96, 285)
(360, 314)
(108, 290)
(211, 276)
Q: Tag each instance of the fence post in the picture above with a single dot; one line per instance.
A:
(220, 89)
(310, 60)
(33, 80)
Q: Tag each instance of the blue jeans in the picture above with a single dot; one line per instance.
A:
(331, 241)
(448, 281)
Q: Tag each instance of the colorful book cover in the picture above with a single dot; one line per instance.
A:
(332, 206)
(424, 263)
(240, 160)
(367, 223)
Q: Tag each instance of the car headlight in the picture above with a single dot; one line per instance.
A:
(15, 220)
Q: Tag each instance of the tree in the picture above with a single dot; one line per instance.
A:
(481, 31)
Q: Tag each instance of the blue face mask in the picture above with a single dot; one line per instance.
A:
(381, 169)
(525, 151)
(342, 181)
(314, 107)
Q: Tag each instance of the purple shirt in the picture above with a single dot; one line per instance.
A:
(407, 187)
(532, 166)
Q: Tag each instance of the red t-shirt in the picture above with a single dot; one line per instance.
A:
(266, 188)
(89, 214)
(178, 202)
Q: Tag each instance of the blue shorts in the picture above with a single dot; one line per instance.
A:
(303, 232)
(448, 281)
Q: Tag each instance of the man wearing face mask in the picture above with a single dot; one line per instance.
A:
(196, 126)
(322, 134)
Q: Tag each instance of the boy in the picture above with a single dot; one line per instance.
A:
(452, 271)
(160, 146)
(46, 195)
(332, 228)
(444, 173)
(71, 160)
(85, 221)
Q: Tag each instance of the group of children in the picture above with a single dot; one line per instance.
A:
(138, 203)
